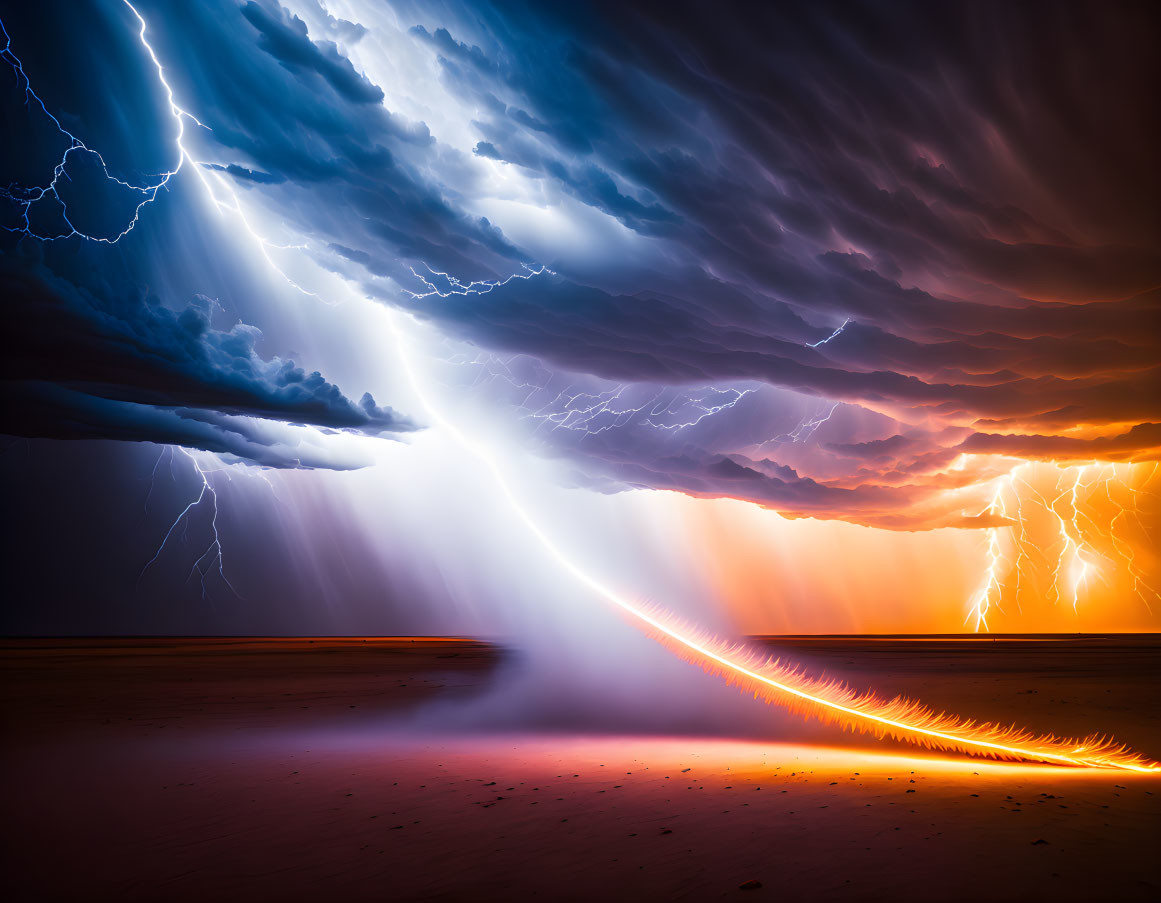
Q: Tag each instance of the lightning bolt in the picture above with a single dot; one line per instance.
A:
(1073, 540)
(992, 584)
(1081, 543)
(1123, 549)
(593, 413)
(27, 197)
(833, 335)
(698, 402)
(580, 411)
(785, 684)
(479, 287)
(773, 680)
(490, 368)
(211, 558)
(806, 427)
(218, 188)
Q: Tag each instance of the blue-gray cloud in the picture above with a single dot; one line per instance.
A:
(985, 258)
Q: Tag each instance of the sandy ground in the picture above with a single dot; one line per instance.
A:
(269, 770)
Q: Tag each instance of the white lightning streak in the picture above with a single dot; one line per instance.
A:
(479, 287)
(833, 335)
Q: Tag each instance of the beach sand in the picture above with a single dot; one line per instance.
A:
(203, 769)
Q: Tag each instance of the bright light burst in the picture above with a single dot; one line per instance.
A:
(1086, 544)
(785, 684)
(1070, 526)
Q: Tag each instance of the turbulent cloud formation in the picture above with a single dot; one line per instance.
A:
(806, 255)
(90, 353)
(78, 365)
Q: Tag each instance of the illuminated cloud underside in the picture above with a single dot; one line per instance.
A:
(882, 304)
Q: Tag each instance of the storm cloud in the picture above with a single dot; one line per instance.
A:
(839, 246)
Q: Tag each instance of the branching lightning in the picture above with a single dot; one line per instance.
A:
(806, 427)
(664, 409)
(28, 196)
(211, 558)
(217, 186)
(479, 287)
(1068, 531)
(991, 586)
(589, 413)
(771, 679)
(701, 404)
(791, 687)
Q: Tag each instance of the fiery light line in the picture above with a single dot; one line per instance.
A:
(899, 717)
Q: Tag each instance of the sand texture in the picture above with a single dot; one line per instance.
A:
(277, 770)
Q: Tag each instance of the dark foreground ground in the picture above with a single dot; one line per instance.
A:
(223, 770)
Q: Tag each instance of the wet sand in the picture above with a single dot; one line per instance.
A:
(269, 770)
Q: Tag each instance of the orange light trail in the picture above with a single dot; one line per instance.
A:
(902, 718)
(793, 688)
(770, 678)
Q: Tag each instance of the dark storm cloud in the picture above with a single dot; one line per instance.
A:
(755, 197)
(285, 38)
(88, 351)
(970, 188)
(83, 365)
(1122, 447)
(350, 169)
(642, 338)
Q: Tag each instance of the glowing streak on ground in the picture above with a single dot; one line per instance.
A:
(790, 686)
(864, 711)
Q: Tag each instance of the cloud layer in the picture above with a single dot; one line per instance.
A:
(897, 234)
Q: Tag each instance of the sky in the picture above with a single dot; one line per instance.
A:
(351, 317)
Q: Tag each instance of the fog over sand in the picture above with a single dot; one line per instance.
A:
(294, 770)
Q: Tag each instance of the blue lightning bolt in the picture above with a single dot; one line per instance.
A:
(699, 402)
(491, 367)
(833, 335)
(153, 475)
(590, 413)
(806, 427)
(26, 197)
(478, 287)
(212, 556)
(580, 411)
